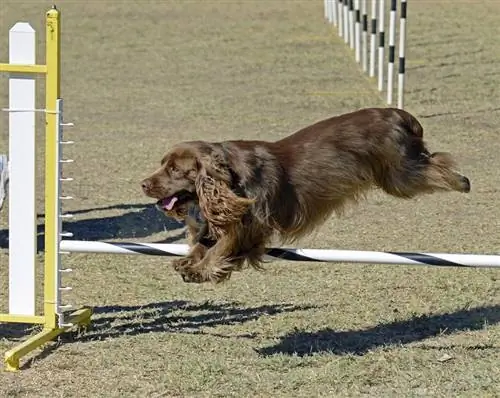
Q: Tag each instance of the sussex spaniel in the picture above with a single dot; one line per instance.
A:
(247, 192)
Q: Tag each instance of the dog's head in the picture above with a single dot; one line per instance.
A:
(196, 173)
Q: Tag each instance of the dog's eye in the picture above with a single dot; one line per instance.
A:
(173, 170)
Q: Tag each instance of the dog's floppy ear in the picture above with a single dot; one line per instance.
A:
(219, 205)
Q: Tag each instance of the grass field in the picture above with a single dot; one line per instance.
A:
(139, 76)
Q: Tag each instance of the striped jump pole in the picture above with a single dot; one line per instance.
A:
(289, 254)
(352, 19)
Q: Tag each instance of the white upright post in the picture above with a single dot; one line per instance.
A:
(22, 214)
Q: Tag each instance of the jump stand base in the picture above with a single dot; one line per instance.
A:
(80, 318)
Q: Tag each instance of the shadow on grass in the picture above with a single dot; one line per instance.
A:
(17, 331)
(140, 222)
(359, 342)
(176, 316)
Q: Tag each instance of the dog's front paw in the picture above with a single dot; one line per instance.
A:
(186, 268)
(189, 276)
(219, 275)
(181, 264)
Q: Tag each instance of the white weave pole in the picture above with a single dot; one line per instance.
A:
(340, 17)
(312, 255)
(333, 11)
(392, 51)
(381, 45)
(364, 51)
(402, 48)
(353, 18)
(373, 37)
(357, 37)
(351, 24)
(346, 21)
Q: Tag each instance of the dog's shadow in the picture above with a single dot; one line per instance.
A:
(139, 221)
(359, 342)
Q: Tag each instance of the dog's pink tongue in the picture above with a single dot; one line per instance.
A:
(168, 203)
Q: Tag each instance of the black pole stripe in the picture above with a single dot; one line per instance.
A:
(403, 9)
(351, 5)
(402, 65)
(142, 249)
(365, 23)
(393, 5)
(381, 39)
(288, 255)
(358, 16)
(419, 257)
(428, 259)
(374, 26)
(392, 51)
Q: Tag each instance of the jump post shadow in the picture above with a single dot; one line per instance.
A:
(138, 222)
(177, 316)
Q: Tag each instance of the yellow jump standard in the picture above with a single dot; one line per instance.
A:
(53, 321)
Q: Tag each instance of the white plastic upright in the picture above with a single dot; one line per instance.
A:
(22, 211)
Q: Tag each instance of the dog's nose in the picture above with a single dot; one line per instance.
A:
(146, 185)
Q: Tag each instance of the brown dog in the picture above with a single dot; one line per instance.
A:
(249, 191)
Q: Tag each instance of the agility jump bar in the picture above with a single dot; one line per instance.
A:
(309, 255)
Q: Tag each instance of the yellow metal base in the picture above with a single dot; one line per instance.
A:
(78, 318)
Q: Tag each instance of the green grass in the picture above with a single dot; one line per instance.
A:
(141, 76)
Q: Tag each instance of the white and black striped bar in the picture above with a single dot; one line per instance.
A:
(402, 50)
(392, 51)
(312, 255)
